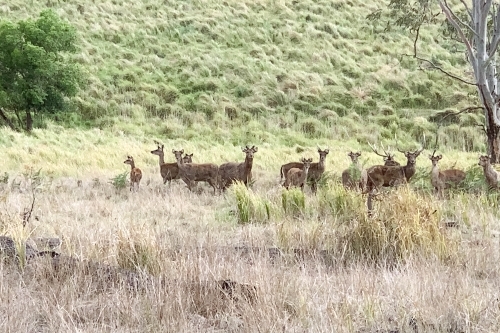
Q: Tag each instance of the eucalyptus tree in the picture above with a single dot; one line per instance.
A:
(473, 24)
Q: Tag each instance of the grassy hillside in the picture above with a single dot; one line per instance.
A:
(244, 71)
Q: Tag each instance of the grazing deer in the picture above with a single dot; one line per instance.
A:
(444, 179)
(233, 171)
(387, 176)
(191, 173)
(135, 173)
(316, 170)
(297, 177)
(492, 176)
(388, 157)
(349, 176)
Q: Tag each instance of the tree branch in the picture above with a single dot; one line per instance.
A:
(447, 12)
(496, 36)
(467, 9)
(457, 19)
(442, 70)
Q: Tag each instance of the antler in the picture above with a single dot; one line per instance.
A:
(376, 151)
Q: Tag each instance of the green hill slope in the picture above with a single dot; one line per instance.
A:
(236, 68)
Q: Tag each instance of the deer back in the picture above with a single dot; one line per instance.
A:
(199, 172)
(169, 171)
(286, 167)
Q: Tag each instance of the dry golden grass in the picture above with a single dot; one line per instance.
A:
(305, 268)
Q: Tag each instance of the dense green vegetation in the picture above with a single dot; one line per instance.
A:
(192, 69)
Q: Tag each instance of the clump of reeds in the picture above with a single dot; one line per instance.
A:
(249, 206)
(405, 224)
(293, 202)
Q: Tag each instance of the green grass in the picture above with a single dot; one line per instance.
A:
(180, 68)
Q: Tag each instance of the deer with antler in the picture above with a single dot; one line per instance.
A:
(352, 178)
(387, 155)
(387, 176)
(492, 176)
(233, 171)
(191, 173)
(445, 179)
(297, 177)
(316, 170)
(135, 173)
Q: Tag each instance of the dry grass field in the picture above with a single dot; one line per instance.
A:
(311, 263)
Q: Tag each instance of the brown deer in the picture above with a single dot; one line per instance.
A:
(188, 158)
(388, 157)
(297, 177)
(444, 179)
(492, 176)
(135, 173)
(168, 171)
(191, 173)
(233, 171)
(316, 170)
(348, 175)
(387, 176)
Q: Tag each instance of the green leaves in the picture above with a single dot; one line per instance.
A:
(34, 75)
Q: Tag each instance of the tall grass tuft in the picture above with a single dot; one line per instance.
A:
(342, 204)
(120, 181)
(293, 202)
(405, 225)
(249, 206)
(137, 253)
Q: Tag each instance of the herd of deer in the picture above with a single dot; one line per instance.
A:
(297, 174)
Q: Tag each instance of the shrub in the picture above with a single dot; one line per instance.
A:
(250, 207)
(293, 202)
(120, 180)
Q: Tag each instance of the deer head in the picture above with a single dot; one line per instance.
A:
(249, 151)
(411, 157)
(188, 158)
(387, 155)
(307, 162)
(322, 154)
(435, 159)
(484, 160)
(354, 156)
(159, 150)
(129, 160)
(178, 154)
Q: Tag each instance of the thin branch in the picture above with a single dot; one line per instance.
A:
(415, 42)
(447, 12)
(496, 36)
(442, 70)
(467, 9)
(457, 19)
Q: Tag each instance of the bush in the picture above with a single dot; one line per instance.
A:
(249, 207)
(293, 202)
(120, 181)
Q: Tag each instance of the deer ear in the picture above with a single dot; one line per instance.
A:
(255, 149)
(328, 150)
(440, 156)
(173, 151)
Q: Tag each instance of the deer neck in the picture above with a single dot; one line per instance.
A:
(162, 159)
(409, 170)
(248, 164)
(303, 176)
(435, 172)
(489, 171)
(321, 165)
(132, 165)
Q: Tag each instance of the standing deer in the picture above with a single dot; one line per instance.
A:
(492, 176)
(135, 173)
(297, 177)
(191, 173)
(350, 178)
(316, 170)
(168, 171)
(233, 171)
(444, 179)
(387, 176)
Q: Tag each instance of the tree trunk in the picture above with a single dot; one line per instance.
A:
(6, 119)
(29, 121)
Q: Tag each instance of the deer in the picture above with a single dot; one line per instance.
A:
(233, 171)
(191, 173)
(316, 170)
(297, 177)
(188, 158)
(388, 157)
(441, 180)
(492, 176)
(135, 173)
(388, 176)
(348, 179)
(168, 171)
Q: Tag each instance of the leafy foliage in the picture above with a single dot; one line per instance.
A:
(34, 74)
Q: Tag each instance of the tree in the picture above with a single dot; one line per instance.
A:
(475, 25)
(35, 75)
